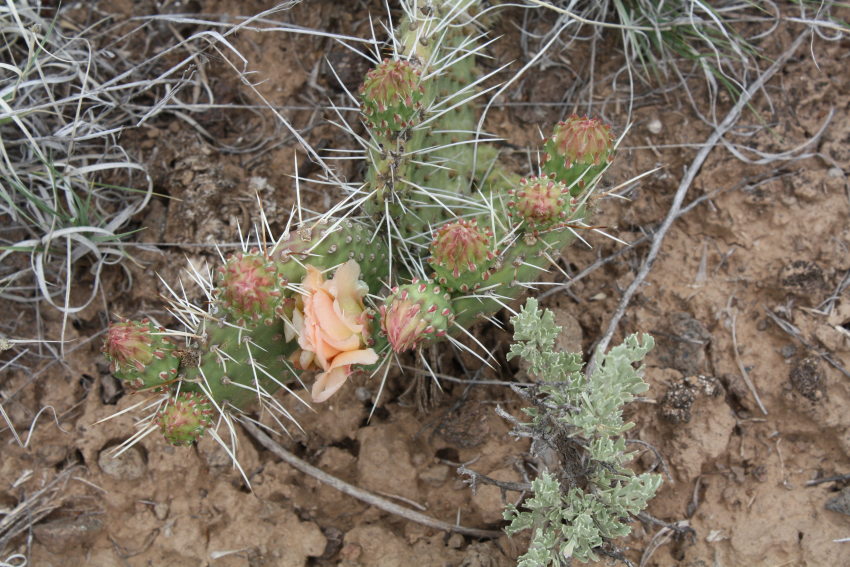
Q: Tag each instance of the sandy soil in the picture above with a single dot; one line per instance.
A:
(769, 245)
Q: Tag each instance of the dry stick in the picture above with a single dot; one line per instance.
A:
(733, 315)
(359, 493)
(682, 191)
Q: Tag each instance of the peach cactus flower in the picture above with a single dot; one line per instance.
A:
(330, 322)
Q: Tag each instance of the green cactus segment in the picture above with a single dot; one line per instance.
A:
(540, 203)
(578, 151)
(140, 354)
(461, 255)
(513, 273)
(185, 418)
(415, 180)
(234, 364)
(416, 313)
(392, 97)
(328, 244)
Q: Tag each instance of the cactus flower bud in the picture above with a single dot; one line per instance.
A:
(140, 354)
(416, 313)
(460, 255)
(185, 417)
(578, 150)
(540, 202)
(249, 287)
(392, 96)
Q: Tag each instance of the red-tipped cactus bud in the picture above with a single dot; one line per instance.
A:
(140, 354)
(185, 417)
(540, 202)
(249, 287)
(416, 313)
(461, 254)
(578, 150)
(392, 96)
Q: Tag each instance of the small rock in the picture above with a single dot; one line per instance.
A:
(334, 537)
(654, 126)
(455, 541)
(840, 503)
(160, 510)
(363, 394)
(64, 533)
(675, 406)
(130, 465)
(435, 475)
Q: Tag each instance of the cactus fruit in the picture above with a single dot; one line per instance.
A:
(436, 208)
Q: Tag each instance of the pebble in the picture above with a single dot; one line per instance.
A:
(840, 503)
(654, 126)
(130, 465)
(59, 535)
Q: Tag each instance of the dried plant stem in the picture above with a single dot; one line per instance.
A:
(733, 316)
(359, 493)
(715, 137)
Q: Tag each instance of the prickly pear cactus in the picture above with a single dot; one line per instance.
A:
(439, 235)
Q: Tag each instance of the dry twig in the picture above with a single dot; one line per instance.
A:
(715, 137)
(359, 493)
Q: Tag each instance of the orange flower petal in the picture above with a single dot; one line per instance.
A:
(327, 318)
(364, 356)
(327, 383)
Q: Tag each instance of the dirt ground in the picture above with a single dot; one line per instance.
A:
(748, 286)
